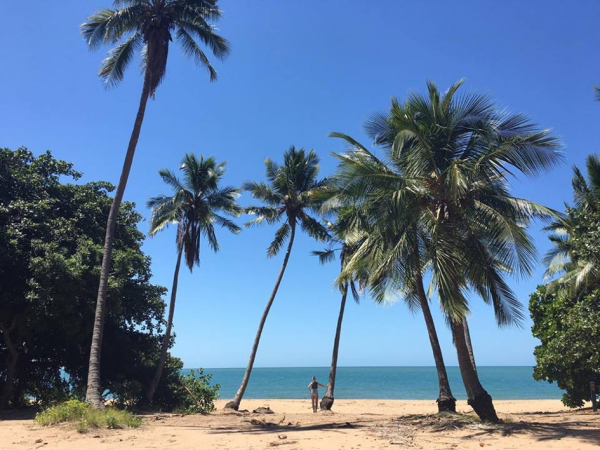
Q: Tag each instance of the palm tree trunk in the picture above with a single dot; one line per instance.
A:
(167, 336)
(478, 398)
(11, 364)
(446, 401)
(328, 399)
(235, 403)
(93, 394)
(468, 342)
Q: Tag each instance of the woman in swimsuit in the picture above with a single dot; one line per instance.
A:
(313, 387)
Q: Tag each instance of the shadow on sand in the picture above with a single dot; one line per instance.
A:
(582, 425)
(19, 414)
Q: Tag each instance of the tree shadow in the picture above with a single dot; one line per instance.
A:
(19, 414)
(586, 431)
(577, 425)
(262, 426)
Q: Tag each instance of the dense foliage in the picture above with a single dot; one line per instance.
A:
(566, 312)
(51, 236)
(569, 331)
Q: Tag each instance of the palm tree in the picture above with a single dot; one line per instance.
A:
(149, 26)
(390, 258)
(448, 159)
(290, 194)
(577, 271)
(195, 206)
(345, 243)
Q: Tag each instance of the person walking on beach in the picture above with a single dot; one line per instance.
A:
(313, 387)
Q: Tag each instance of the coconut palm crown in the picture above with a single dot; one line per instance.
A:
(446, 167)
(198, 204)
(292, 192)
(150, 26)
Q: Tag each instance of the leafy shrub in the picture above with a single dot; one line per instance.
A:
(195, 394)
(86, 417)
(568, 328)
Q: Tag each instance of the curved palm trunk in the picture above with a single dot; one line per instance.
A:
(328, 398)
(167, 336)
(93, 394)
(478, 398)
(11, 364)
(446, 401)
(468, 342)
(235, 403)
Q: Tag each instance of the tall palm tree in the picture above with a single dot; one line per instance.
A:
(345, 243)
(149, 26)
(449, 158)
(391, 255)
(577, 272)
(195, 206)
(292, 192)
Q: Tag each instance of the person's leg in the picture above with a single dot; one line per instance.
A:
(315, 401)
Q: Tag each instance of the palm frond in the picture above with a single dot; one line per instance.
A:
(113, 67)
(325, 256)
(226, 223)
(193, 50)
(281, 237)
(314, 228)
(198, 27)
(263, 192)
(265, 214)
(196, 204)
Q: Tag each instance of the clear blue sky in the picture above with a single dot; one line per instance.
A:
(299, 70)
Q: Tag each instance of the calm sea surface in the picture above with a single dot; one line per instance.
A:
(410, 383)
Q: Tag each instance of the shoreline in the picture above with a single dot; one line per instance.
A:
(395, 406)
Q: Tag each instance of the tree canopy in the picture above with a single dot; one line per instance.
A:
(51, 235)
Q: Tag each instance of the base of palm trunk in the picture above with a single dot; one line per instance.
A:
(484, 408)
(326, 403)
(231, 405)
(446, 404)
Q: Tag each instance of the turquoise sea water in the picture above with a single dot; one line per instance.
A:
(410, 383)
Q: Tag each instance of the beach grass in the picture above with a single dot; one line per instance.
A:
(87, 418)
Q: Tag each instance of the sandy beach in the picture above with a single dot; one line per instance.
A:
(354, 424)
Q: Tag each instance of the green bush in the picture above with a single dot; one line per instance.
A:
(86, 417)
(195, 394)
(568, 328)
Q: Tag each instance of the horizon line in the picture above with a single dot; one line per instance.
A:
(342, 367)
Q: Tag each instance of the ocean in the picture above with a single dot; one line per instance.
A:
(408, 383)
